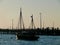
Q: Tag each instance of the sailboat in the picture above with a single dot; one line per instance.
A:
(26, 35)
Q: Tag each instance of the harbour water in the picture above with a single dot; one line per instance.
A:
(7, 39)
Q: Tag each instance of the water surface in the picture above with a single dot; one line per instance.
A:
(6, 39)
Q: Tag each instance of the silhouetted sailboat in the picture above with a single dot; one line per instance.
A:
(27, 35)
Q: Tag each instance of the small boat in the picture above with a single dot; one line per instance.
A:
(27, 36)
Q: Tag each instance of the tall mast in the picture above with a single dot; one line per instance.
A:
(40, 21)
(20, 18)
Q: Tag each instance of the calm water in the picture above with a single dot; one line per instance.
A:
(43, 40)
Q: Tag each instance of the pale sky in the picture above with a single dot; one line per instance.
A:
(50, 9)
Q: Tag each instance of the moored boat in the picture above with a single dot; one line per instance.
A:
(27, 36)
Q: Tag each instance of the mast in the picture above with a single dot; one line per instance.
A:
(40, 21)
(53, 24)
(32, 22)
(20, 18)
(12, 24)
(43, 24)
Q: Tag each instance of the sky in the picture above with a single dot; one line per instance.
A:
(49, 9)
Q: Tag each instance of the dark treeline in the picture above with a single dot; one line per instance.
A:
(43, 31)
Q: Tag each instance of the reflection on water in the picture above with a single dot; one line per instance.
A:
(6, 39)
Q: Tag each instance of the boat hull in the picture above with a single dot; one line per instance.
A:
(27, 37)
